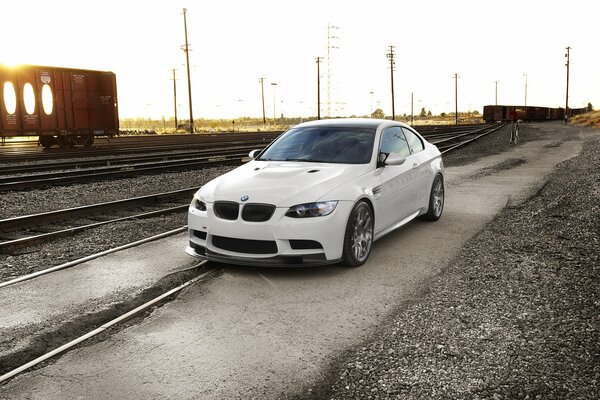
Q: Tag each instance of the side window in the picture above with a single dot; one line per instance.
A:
(414, 141)
(393, 141)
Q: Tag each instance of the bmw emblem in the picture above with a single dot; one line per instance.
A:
(244, 198)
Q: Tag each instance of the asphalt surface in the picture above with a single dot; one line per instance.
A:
(270, 333)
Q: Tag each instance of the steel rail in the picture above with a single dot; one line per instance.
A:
(30, 181)
(19, 223)
(139, 145)
(114, 161)
(122, 318)
(90, 257)
(12, 245)
(465, 142)
(26, 221)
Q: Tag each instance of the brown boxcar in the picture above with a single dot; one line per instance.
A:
(529, 113)
(63, 106)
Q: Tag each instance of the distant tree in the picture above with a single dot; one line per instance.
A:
(443, 114)
(429, 113)
(378, 113)
(475, 112)
(590, 107)
(423, 113)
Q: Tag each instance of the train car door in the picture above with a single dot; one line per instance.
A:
(10, 110)
(28, 96)
(108, 102)
(45, 85)
(80, 100)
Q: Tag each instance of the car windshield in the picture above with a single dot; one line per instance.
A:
(323, 144)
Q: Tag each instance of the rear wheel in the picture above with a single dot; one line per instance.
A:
(436, 200)
(47, 141)
(358, 238)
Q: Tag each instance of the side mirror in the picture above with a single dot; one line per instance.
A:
(254, 153)
(390, 159)
(395, 159)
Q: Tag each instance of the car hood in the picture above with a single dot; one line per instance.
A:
(283, 184)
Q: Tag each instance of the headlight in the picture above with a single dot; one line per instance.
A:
(308, 210)
(199, 204)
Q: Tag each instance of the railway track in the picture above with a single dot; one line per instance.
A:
(28, 181)
(19, 232)
(449, 141)
(36, 175)
(129, 145)
(11, 169)
(202, 272)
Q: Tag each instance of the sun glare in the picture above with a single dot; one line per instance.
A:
(29, 98)
(10, 98)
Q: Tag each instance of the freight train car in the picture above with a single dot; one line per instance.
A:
(62, 106)
(527, 113)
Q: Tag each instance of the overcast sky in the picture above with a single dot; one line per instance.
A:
(236, 42)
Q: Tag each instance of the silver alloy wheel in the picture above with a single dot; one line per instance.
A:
(362, 235)
(438, 197)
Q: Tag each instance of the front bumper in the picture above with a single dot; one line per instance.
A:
(280, 241)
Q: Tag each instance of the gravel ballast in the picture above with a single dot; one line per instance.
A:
(515, 316)
(34, 201)
(68, 248)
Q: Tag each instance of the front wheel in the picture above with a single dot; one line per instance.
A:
(436, 200)
(358, 238)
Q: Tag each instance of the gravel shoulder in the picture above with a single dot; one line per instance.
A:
(515, 316)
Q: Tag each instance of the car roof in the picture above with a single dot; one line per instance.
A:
(351, 122)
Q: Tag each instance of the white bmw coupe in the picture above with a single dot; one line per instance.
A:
(321, 193)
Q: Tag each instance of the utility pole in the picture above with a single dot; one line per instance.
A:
(318, 59)
(262, 90)
(274, 85)
(175, 97)
(391, 55)
(568, 54)
(186, 49)
(496, 92)
(411, 107)
(330, 46)
(456, 98)
(371, 115)
(525, 90)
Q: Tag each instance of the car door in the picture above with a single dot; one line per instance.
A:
(393, 195)
(420, 162)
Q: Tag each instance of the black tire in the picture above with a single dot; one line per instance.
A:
(47, 141)
(358, 239)
(436, 200)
